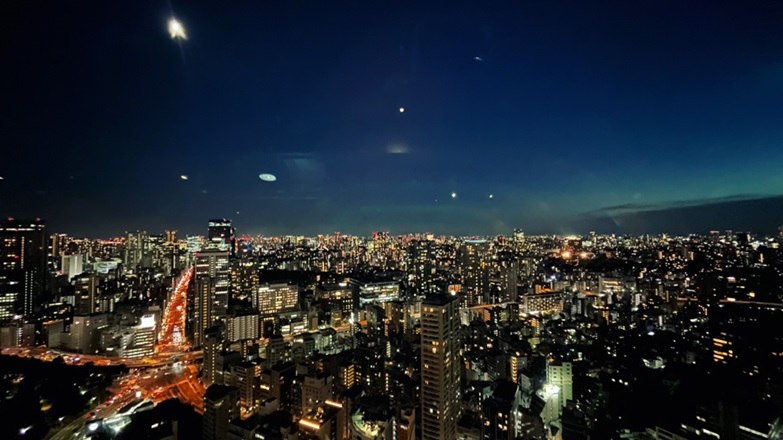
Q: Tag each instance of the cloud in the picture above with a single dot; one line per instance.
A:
(748, 212)
(634, 208)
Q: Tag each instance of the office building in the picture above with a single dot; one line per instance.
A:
(221, 234)
(86, 293)
(22, 266)
(243, 327)
(474, 272)
(143, 341)
(440, 367)
(213, 345)
(421, 266)
(136, 248)
(275, 298)
(209, 300)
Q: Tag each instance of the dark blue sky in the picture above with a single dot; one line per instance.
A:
(571, 108)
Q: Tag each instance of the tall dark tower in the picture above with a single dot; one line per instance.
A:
(22, 266)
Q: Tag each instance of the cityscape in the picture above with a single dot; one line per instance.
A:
(230, 336)
(288, 220)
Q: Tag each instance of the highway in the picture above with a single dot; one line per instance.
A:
(46, 354)
(156, 384)
(171, 337)
(170, 373)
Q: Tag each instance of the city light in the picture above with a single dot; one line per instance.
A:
(627, 283)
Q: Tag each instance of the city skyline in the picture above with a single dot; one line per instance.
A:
(721, 215)
(361, 117)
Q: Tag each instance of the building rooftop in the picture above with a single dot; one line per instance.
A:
(216, 392)
(439, 300)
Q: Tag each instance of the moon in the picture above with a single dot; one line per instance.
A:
(176, 30)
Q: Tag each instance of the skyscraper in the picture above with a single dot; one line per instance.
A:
(440, 367)
(209, 301)
(22, 266)
(474, 269)
(221, 233)
(136, 244)
(421, 266)
(86, 289)
(212, 347)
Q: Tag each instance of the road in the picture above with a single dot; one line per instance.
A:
(179, 381)
(46, 354)
(171, 336)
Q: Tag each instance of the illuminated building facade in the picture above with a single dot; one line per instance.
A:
(22, 266)
(421, 266)
(440, 367)
(209, 300)
(221, 233)
(545, 302)
(474, 271)
(136, 248)
(381, 292)
(86, 292)
(275, 298)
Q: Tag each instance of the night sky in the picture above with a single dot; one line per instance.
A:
(620, 116)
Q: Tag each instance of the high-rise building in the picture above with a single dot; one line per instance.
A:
(276, 350)
(136, 244)
(440, 367)
(243, 327)
(507, 272)
(209, 301)
(221, 233)
(213, 345)
(474, 269)
(86, 293)
(72, 265)
(559, 386)
(246, 377)
(421, 266)
(244, 279)
(22, 266)
(221, 405)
